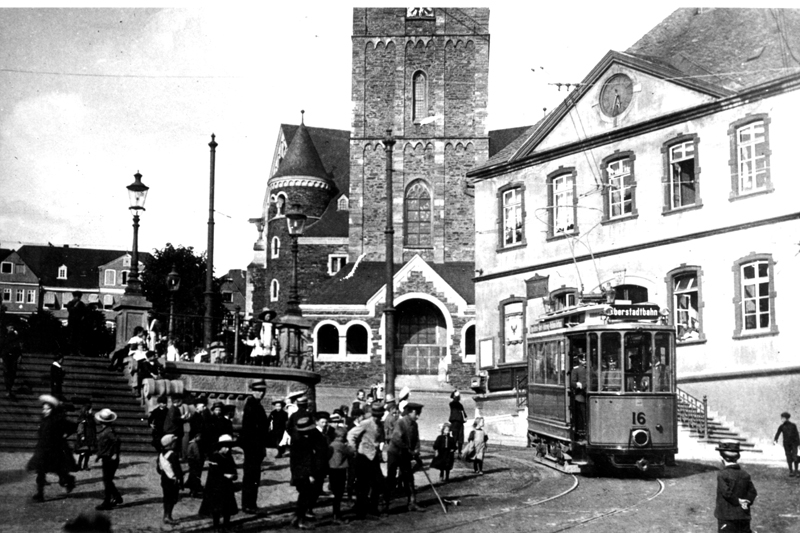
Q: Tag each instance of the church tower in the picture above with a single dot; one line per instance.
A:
(422, 73)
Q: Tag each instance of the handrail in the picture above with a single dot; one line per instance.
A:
(521, 390)
(694, 413)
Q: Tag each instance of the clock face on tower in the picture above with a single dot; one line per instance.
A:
(616, 94)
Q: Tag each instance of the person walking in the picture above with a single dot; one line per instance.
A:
(253, 441)
(11, 351)
(457, 418)
(791, 440)
(156, 421)
(367, 438)
(219, 500)
(340, 457)
(108, 448)
(404, 450)
(168, 465)
(308, 459)
(735, 491)
(57, 374)
(277, 426)
(86, 436)
(50, 454)
(479, 438)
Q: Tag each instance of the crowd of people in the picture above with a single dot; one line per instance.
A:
(368, 451)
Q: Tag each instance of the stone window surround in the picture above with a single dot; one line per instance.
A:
(419, 103)
(665, 179)
(501, 216)
(734, 160)
(669, 281)
(558, 173)
(468, 358)
(274, 290)
(738, 332)
(501, 356)
(275, 248)
(613, 158)
(342, 355)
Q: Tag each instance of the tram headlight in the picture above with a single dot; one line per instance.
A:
(640, 437)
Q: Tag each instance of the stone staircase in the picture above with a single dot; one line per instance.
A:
(707, 427)
(85, 377)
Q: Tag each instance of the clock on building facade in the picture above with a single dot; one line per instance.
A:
(616, 94)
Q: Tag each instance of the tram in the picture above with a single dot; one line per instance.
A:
(625, 354)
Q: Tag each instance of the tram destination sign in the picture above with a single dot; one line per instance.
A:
(633, 312)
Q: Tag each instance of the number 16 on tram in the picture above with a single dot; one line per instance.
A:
(601, 387)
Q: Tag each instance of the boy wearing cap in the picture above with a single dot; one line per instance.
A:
(156, 421)
(108, 446)
(404, 447)
(735, 491)
(173, 422)
(169, 467)
(308, 461)
(49, 453)
(791, 440)
(277, 425)
(367, 439)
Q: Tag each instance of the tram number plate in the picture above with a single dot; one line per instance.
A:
(638, 418)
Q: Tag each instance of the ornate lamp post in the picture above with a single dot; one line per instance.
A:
(389, 310)
(137, 192)
(173, 284)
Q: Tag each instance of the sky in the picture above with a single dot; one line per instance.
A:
(90, 96)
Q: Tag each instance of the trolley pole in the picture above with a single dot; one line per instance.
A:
(389, 311)
(209, 292)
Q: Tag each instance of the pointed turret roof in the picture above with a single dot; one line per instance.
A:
(302, 158)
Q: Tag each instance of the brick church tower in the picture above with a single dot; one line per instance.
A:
(422, 73)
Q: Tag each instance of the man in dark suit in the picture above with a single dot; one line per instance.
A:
(173, 422)
(791, 440)
(77, 312)
(156, 421)
(578, 385)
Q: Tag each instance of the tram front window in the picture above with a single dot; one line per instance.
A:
(662, 364)
(610, 362)
(638, 362)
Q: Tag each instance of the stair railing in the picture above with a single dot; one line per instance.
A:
(521, 390)
(693, 412)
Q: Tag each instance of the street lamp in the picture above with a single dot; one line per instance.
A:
(137, 192)
(296, 222)
(173, 284)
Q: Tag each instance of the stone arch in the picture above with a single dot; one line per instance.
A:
(326, 337)
(448, 320)
(358, 335)
(466, 330)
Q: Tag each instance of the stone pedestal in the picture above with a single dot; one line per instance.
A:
(131, 312)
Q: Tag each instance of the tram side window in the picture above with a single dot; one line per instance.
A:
(662, 364)
(554, 359)
(594, 362)
(638, 362)
(611, 362)
(538, 362)
(578, 348)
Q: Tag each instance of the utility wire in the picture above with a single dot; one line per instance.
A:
(93, 75)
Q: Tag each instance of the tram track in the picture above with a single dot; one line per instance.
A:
(528, 504)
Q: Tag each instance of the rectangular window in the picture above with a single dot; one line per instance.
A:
(682, 179)
(686, 303)
(31, 297)
(756, 296)
(124, 274)
(563, 204)
(62, 272)
(227, 297)
(620, 188)
(6, 268)
(336, 263)
(513, 332)
(6, 295)
(512, 217)
(20, 269)
(110, 277)
(751, 145)
(20, 296)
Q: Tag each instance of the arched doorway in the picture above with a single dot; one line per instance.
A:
(421, 338)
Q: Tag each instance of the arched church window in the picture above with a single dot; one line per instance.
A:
(280, 204)
(357, 339)
(418, 215)
(276, 247)
(420, 92)
(328, 339)
(274, 290)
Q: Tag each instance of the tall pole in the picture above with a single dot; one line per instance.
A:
(171, 314)
(134, 285)
(388, 311)
(209, 292)
(293, 305)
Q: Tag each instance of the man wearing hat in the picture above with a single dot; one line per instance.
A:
(302, 411)
(404, 449)
(108, 446)
(457, 418)
(77, 312)
(49, 454)
(735, 491)
(367, 439)
(308, 462)
(791, 440)
(390, 417)
(156, 421)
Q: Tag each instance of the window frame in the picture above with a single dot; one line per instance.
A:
(275, 247)
(30, 296)
(7, 294)
(618, 156)
(669, 280)
(501, 218)
(666, 179)
(105, 277)
(331, 258)
(561, 172)
(6, 265)
(343, 204)
(502, 333)
(62, 272)
(565, 293)
(274, 290)
(419, 104)
(754, 258)
(418, 223)
(733, 135)
(20, 296)
(20, 268)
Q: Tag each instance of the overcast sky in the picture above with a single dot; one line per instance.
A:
(90, 96)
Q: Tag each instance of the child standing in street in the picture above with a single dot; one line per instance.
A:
(479, 437)
(168, 465)
(445, 449)
(341, 455)
(194, 458)
(86, 436)
(735, 491)
(218, 496)
(108, 446)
